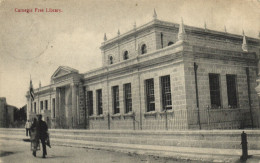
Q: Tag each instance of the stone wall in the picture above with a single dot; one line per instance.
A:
(221, 67)
(132, 44)
(168, 36)
(139, 117)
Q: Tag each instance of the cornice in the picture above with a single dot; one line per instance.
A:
(188, 29)
(160, 56)
(216, 53)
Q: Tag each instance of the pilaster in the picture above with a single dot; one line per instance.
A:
(121, 99)
(157, 93)
(94, 102)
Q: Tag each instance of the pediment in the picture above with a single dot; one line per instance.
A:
(62, 71)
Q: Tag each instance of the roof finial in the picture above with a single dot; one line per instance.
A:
(118, 32)
(225, 29)
(30, 81)
(134, 25)
(244, 45)
(205, 25)
(105, 37)
(40, 84)
(154, 14)
(181, 34)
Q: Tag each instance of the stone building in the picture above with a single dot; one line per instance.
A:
(6, 113)
(158, 76)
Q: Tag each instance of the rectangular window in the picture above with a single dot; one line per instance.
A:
(41, 105)
(99, 102)
(150, 100)
(128, 97)
(34, 107)
(116, 99)
(232, 91)
(214, 85)
(46, 104)
(166, 92)
(53, 107)
(90, 102)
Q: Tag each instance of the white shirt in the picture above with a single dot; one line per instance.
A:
(28, 125)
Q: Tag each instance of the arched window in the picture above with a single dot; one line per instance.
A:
(111, 60)
(170, 43)
(143, 49)
(126, 55)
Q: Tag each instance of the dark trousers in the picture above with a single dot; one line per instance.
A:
(44, 152)
(28, 131)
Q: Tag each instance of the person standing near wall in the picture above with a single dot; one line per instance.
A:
(28, 125)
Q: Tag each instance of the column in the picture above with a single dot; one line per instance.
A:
(51, 106)
(78, 115)
(74, 102)
(57, 100)
(67, 107)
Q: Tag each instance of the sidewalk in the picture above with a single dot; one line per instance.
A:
(180, 153)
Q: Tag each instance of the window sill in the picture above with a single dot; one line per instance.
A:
(128, 115)
(116, 116)
(216, 109)
(168, 112)
(150, 114)
(101, 116)
(92, 117)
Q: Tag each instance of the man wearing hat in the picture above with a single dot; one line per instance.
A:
(42, 129)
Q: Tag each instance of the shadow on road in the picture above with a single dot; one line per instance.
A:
(26, 140)
(251, 158)
(5, 153)
(52, 157)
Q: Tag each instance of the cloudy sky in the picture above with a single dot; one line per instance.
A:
(38, 43)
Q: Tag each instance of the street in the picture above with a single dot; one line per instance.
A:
(19, 151)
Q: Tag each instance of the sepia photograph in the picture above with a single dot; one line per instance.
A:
(138, 81)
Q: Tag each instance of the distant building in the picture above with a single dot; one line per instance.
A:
(6, 113)
(158, 76)
(20, 114)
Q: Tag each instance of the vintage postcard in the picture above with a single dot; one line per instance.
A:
(129, 81)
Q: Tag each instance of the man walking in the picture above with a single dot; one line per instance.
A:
(42, 129)
(27, 127)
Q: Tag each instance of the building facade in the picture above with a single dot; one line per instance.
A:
(158, 76)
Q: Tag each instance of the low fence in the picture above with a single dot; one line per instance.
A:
(177, 120)
(219, 118)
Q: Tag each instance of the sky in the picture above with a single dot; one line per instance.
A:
(36, 43)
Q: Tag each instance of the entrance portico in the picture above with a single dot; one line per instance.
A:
(65, 81)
